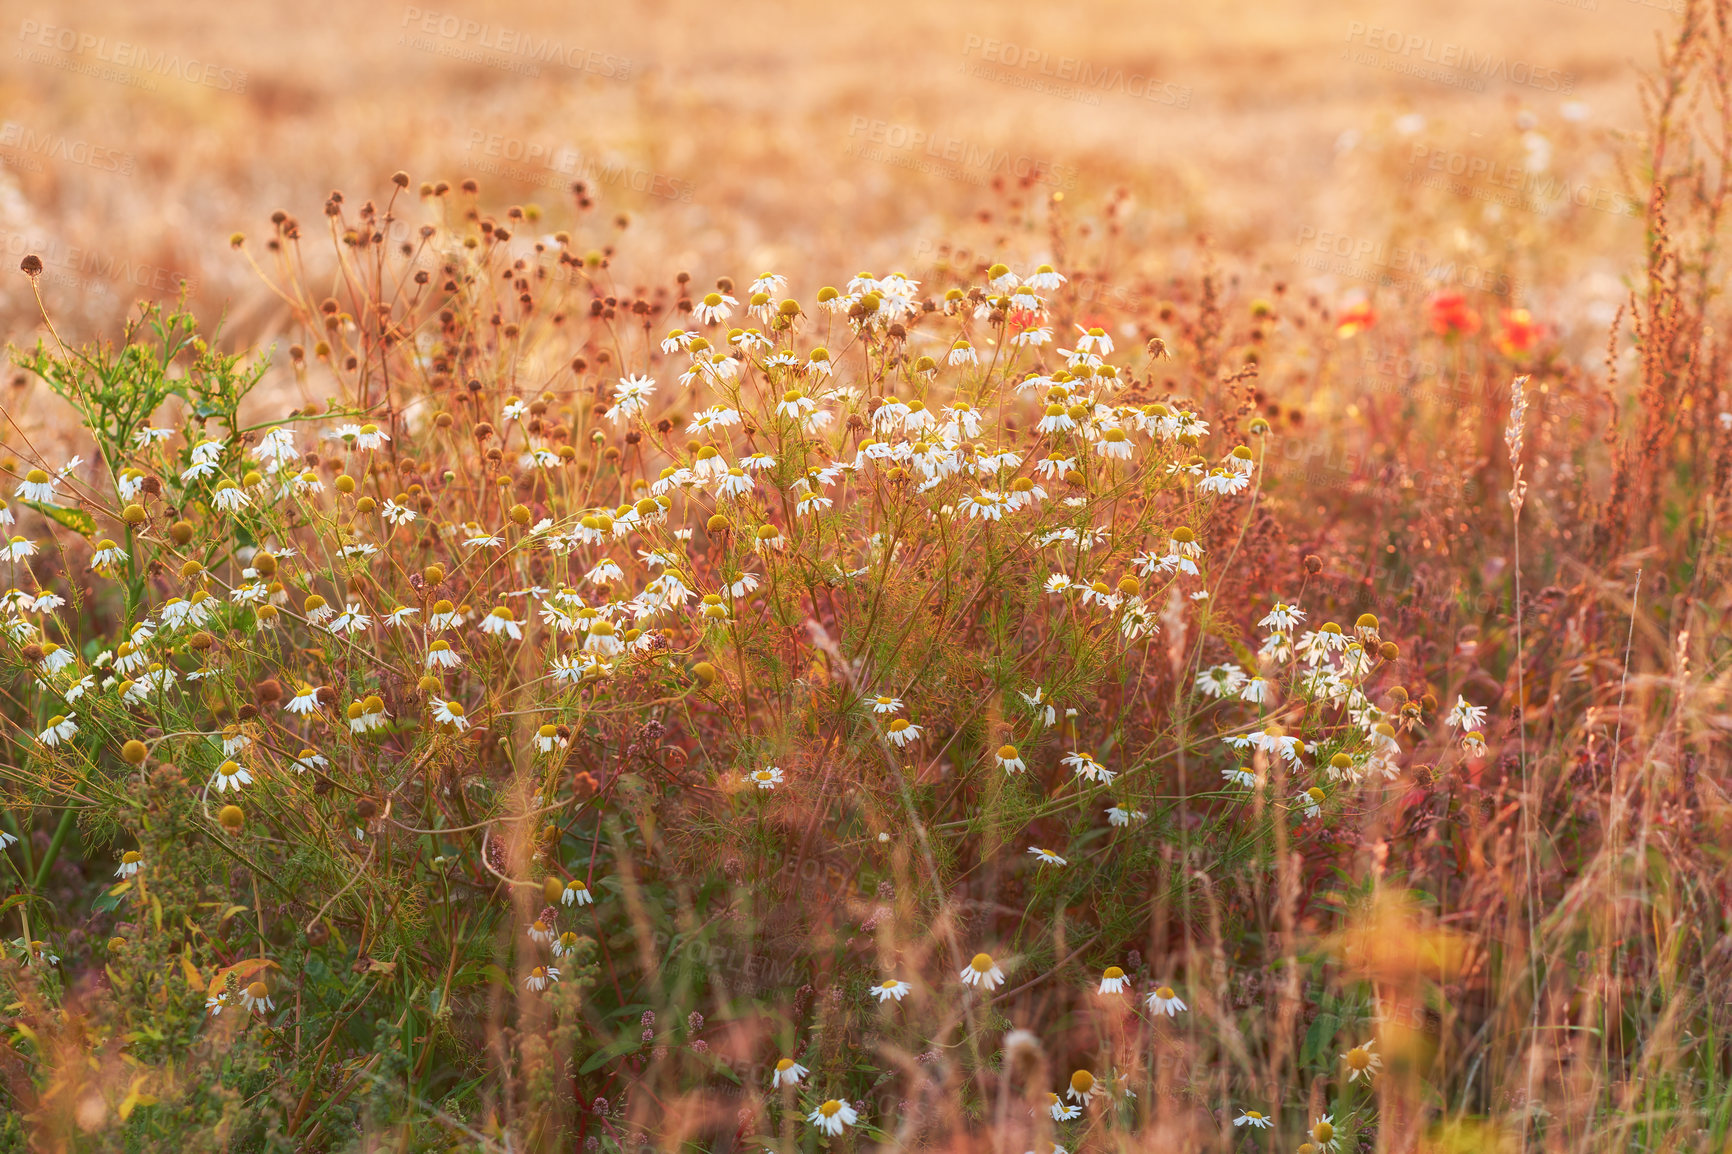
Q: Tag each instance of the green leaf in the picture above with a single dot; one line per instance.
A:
(608, 1053)
(75, 519)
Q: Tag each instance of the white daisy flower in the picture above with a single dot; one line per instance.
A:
(714, 308)
(540, 977)
(891, 990)
(305, 700)
(256, 998)
(502, 620)
(833, 1117)
(1466, 716)
(983, 972)
(449, 713)
(37, 485)
(902, 732)
(1162, 1000)
(768, 778)
(231, 775)
(61, 727)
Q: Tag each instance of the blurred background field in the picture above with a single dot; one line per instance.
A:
(813, 139)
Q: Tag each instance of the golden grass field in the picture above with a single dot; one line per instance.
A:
(1002, 640)
(745, 124)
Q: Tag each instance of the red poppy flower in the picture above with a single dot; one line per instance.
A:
(1519, 334)
(1355, 319)
(1451, 316)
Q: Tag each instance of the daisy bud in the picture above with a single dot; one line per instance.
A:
(704, 672)
(134, 752)
(520, 514)
(428, 683)
(552, 889)
(191, 569)
(1130, 586)
(365, 505)
(134, 515)
(1259, 427)
(718, 524)
(345, 484)
(180, 532)
(433, 574)
(265, 564)
(115, 945)
(1389, 650)
(231, 818)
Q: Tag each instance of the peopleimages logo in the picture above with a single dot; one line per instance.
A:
(1409, 267)
(83, 267)
(554, 166)
(932, 152)
(1070, 76)
(1416, 50)
(470, 34)
(18, 140)
(86, 46)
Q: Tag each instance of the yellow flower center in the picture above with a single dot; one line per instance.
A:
(981, 963)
